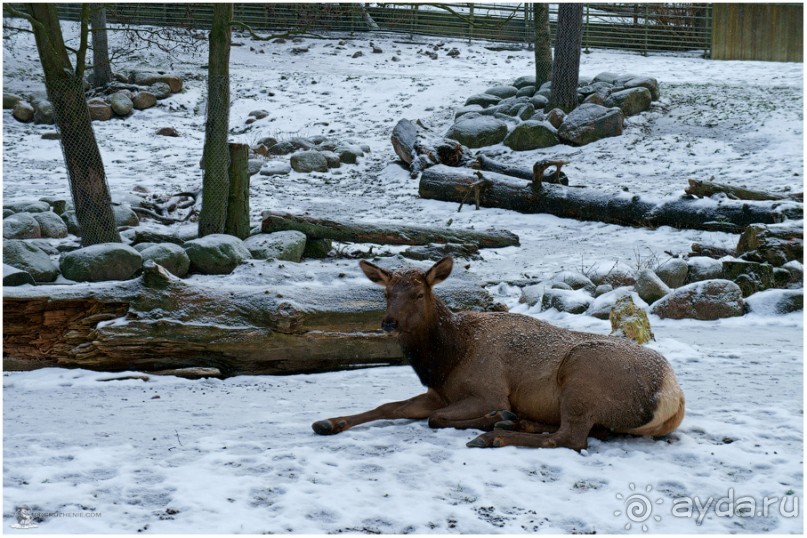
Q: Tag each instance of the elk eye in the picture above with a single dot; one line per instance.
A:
(420, 295)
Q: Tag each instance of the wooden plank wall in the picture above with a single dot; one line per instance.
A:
(767, 32)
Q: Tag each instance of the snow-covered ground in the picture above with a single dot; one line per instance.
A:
(239, 455)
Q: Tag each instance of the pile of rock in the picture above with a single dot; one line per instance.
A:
(305, 154)
(518, 116)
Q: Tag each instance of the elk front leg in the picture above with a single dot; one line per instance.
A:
(471, 413)
(419, 407)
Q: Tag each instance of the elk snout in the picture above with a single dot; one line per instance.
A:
(389, 324)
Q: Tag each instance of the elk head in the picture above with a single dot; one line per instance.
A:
(411, 306)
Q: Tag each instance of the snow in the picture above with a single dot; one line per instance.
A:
(73, 444)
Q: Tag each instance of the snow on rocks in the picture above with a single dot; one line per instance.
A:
(16, 277)
(309, 161)
(477, 132)
(571, 301)
(275, 168)
(23, 111)
(97, 263)
(615, 273)
(287, 245)
(650, 287)
(21, 226)
(673, 272)
(703, 268)
(707, 300)
(776, 302)
(590, 122)
(51, 225)
(602, 305)
(216, 254)
(531, 134)
(169, 255)
(631, 101)
(29, 258)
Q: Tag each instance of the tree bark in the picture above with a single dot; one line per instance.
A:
(215, 158)
(543, 44)
(237, 223)
(707, 188)
(85, 168)
(102, 71)
(452, 185)
(550, 174)
(159, 322)
(385, 234)
(566, 67)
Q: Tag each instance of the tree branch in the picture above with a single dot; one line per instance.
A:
(81, 55)
(21, 14)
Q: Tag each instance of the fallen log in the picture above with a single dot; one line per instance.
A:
(159, 322)
(384, 234)
(708, 188)
(539, 170)
(687, 212)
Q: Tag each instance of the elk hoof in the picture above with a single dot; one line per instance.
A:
(508, 416)
(486, 440)
(326, 427)
(505, 425)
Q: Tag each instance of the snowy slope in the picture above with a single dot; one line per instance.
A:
(73, 444)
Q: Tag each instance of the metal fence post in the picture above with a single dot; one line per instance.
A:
(646, 30)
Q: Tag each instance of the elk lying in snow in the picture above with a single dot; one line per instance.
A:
(538, 385)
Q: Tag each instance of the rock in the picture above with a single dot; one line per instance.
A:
(776, 302)
(357, 54)
(602, 289)
(333, 160)
(286, 245)
(526, 112)
(45, 246)
(52, 135)
(503, 92)
(275, 168)
(216, 254)
(31, 259)
(606, 76)
(97, 263)
(51, 225)
(309, 161)
(555, 118)
(10, 100)
(703, 268)
(7, 212)
(483, 99)
(539, 101)
(575, 281)
(317, 248)
(796, 271)
(404, 136)
(23, 111)
(706, 300)
(463, 110)
(631, 101)
(121, 104)
(21, 226)
(172, 257)
(673, 272)
(254, 166)
(478, 132)
(560, 286)
(573, 302)
(71, 221)
(15, 277)
(630, 321)
(601, 307)
(594, 99)
(759, 276)
(43, 112)
(167, 131)
(124, 215)
(649, 83)
(290, 146)
(532, 135)
(521, 82)
(258, 114)
(140, 247)
(437, 251)
(174, 82)
(453, 53)
(143, 100)
(601, 89)
(533, 294)
(100, 111)
(59, 204)
(650, 287)
(267, 141)
(614, 273)
(526, 91)
(772, 243)
(349, 154)
(588, 123)
(160, 90)
(35, 207)
(781, 277)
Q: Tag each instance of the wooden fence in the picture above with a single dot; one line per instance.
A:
(767, 32)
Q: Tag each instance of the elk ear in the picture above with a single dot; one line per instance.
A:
(439, 271)
(375, 273)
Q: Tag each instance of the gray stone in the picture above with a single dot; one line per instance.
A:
(15, 277)
(750, 276)
(560, 286)
(796, 271)
(776, 302)
(555, 118)
(258, 114)
(10, 100)
(286, 245)
(23, 111)
(606, 76)
(571, 301)
(478, 132)
(332, 158)
(31, 259)
(404, 137)
(575, 281)
(650, 287)
(172, 257)
(21, 226)
(349, 154)
(649, 83)
(51, 135)
(174, 82)
(97, 263)
(602, 305)
(143, 100)
(614, 273)
(121, 104)
(533, 294)
(703, 268)
(140, 247)
(602, 289)
(631, 101)
(51, 225)
(44, 245)
(521, 82)
(71, 221)
(59, 204)
(531, 135)
(7, 212)
(589, 123)
(539, 101)
(502, 92)
(603, 89)
(463, 110)
(100, 111)
(309, 161)
(35, 207)
(706, 300)
(317, 248)
(160, 90)
(254, 166)
(526, 91)
(673, 272)
(216, 254)
(483, 99)
(43, 113)
(124, 215)
(290, 146)
(276, 168)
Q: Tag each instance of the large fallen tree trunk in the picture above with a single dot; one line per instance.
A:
(453, 185)
(547, 170)
(384, 234)
(708, 188)
(160, 322)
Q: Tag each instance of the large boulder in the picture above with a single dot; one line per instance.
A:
(673, 272)
(309, 161)
(143, 100)
(121, 104)
(171, 256)
(589, 123)
(23, 111)
(286, 245)
(703, 268)
(649, 83)
(147, 79)
(404, 136)
(706, 300)
(124, 215)
(216, 254)
(614, 273)
(776, 302)
(97, 263)
(571, 301)
(31, 259)
(750, 276)
(160, 90)
(349, 154)
(483, 99)
(50, 225)
(478, 132)
(502, 91)
(44, 113)
(100, 111)
(527, 80)
(650, 287)
(602, 305)
(631, 101)
(772, 243)
(21, 226)
(276, 168)
(532, 135)
(15, 277)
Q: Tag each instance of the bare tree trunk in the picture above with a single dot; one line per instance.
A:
(216, 160)
(543, 44)
(101, 70)
(237, 223)
(65, 88)
(566, 67)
